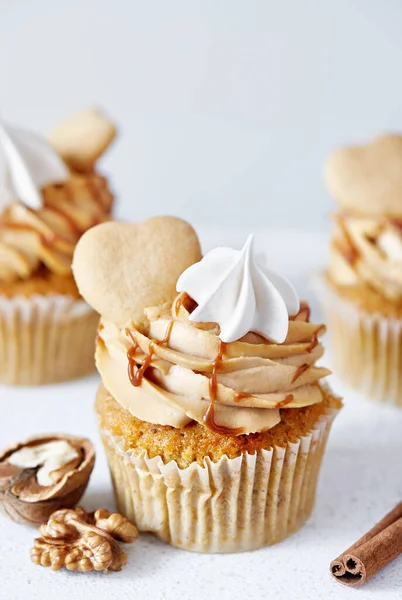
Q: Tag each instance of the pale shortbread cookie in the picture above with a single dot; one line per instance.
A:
(122, 268)
(368, 179)
(82, 138)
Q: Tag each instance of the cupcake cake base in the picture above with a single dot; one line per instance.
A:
(205, 492)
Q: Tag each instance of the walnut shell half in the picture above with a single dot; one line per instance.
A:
(24, 500)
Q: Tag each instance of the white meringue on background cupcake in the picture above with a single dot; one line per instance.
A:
(47, 331)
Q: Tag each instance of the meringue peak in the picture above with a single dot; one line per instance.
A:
(235, 289)
(27, 163)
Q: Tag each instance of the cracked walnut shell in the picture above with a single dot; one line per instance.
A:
(81, 541)
(43, 474)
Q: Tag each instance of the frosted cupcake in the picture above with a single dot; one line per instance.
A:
(50, 194)
(211, 408)
(362, 288)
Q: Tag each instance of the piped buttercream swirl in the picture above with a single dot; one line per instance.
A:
(368, 251)
(47, 236)
(171, 370)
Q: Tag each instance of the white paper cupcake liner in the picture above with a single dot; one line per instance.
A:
(366, 348)
(233, 505)
(45, 339)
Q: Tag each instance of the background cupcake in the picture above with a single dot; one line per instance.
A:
(50, 194)
(362, 289)
(214, 433)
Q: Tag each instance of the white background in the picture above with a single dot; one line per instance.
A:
(227, 108)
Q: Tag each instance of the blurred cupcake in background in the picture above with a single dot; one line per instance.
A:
(212, 409)
(361, 291)
(50, 194)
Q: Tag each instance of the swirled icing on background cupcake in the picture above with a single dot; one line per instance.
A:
(366, 246)
(47, 198)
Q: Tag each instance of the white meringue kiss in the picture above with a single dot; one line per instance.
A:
(235, 289)
(27, 163)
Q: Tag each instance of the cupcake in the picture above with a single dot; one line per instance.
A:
(50, 194)
(361, 291)
(212, 410)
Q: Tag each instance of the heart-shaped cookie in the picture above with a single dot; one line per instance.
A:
(81, 138)
(122, 268)
(368, 179)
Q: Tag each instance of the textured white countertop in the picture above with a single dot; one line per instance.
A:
(360, 481)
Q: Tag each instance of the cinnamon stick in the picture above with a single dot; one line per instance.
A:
(371, 552)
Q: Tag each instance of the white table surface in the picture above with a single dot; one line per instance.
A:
(361, 479)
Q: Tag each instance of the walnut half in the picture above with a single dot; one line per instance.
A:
(43, 474)
(81, 541)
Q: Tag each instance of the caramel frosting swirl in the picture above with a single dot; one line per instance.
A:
(368, 250)
(172, 371)
(47, 236)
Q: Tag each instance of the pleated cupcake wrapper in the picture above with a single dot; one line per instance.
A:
(45, 339)
(233, 505)
(366, 348)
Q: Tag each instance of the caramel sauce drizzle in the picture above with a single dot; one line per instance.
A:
(50, 240)
(95, 192)
(350, 254)
(285, 401)
(322, 328)
(132, 363)
(304, 311)
(397, 223)
(135, 373)
(76, 231)
(46, 240)
(74, 227)
(240, 396)
(313, 344)
(186, 301)
(299, 371)
(209, 417)
(21, 226)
